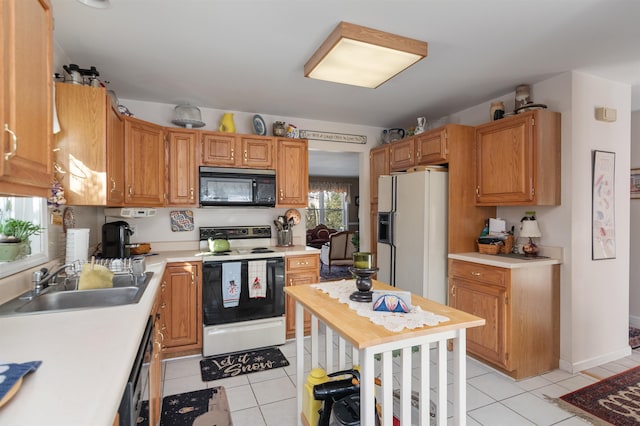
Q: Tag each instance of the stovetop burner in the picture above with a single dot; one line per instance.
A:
(261, 250)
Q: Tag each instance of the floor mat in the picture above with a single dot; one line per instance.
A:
(609, 401)
(205, 407)
(634, 337)
(337, 273)
(237, 363)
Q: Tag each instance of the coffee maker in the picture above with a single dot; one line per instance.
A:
(115, 240)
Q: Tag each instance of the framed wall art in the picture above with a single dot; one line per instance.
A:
(603, 206)
(635, 183)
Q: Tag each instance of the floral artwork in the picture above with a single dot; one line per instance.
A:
(603, 232)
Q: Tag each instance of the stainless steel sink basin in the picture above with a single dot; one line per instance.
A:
(126, 290)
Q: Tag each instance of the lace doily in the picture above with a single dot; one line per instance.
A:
(392, 321)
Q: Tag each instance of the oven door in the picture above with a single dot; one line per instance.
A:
(248, 308)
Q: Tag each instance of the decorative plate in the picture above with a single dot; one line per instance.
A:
(259, 127)
(68, 219)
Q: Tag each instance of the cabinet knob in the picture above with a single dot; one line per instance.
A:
(163, 306)
(14, 140)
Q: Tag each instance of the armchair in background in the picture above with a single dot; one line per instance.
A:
(339, 250)
(319, 235)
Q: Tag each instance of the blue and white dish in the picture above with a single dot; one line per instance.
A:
(259, 127)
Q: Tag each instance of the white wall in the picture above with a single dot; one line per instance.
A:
(163, 114)
(594, 294)
(634, 267)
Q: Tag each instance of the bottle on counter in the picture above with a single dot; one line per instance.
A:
(311, 406)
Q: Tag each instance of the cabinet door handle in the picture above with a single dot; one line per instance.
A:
(476, 274)
(281, 194)
(193, 278)
(191, 193)
(14, 145)
(163, 306)
(232, 153)
(130, 190)
(113, 184)
(453, 291)
(245, 155)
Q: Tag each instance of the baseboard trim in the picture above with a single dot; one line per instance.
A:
(577, 367)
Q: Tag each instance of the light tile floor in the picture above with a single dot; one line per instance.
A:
(493, 399)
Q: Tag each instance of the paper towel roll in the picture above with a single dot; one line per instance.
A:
(77, 245)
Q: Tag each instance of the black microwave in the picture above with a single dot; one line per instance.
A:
(220, 186)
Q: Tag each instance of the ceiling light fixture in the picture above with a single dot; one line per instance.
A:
(98, 4)
(362, 56)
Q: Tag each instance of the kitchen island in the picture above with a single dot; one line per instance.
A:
(368, 340)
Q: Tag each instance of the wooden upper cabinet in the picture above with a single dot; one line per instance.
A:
(220, 149)
(378, 165)
(432, 147)
(258, 152)
(182, 167)
(518, 160)
(90, 146)
(402, 154)
(231, 150)
(26, 159)
(292, 177)
(115, 155)
(144, 163)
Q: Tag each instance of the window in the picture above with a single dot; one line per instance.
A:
(329, 208)
(32, 209)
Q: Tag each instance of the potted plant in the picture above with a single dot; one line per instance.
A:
(14, 238)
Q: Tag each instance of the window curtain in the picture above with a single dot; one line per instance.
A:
(339, 187)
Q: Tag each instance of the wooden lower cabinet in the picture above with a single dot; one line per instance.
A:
(300, 270)
(521, 307)
(155, 365)
(181, 308)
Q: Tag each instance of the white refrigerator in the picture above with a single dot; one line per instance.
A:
(412, 232)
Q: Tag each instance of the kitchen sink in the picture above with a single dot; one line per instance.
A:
(127, 289)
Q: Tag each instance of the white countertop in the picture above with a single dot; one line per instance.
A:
(504, 261)
(86, 355)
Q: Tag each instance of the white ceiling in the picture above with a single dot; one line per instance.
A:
(248, 55)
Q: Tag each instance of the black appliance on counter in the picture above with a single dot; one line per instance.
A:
(115, 240)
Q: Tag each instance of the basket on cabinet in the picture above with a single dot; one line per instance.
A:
(490, 248)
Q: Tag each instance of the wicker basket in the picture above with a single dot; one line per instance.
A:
(489, 248)
(507, 245)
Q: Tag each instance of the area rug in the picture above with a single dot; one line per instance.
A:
(614, 400)
(634, 337)
(337, 273)
(205, 407)
(237, 363)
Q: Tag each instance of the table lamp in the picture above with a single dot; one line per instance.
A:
(530, 230)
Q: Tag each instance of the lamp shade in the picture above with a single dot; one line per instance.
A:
(362, 56)
(530, 229)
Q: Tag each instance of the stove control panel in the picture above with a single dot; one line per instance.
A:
(235, 232)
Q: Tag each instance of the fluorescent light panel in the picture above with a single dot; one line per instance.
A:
(362, 56)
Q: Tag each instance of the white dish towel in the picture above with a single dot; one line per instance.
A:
(231, 284)
(257, 279)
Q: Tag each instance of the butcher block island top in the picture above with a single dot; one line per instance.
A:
(360, 331)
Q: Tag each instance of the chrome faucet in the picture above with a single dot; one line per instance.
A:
(44, 277)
